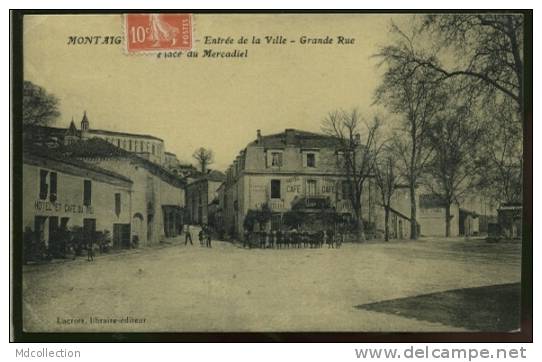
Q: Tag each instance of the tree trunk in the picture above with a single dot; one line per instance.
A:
(387, 223)
(360, 232)
(448, 221)
(413, 222)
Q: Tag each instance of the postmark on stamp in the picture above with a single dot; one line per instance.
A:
(146, 33)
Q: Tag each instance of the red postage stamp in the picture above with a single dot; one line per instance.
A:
(158, 32)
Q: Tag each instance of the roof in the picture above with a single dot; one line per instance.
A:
(45, 130)
(33, 152)
(99, 148)
(211, 175)
(399, 213)
(215, 175)
(72, 130)
(125, 134)
(302, 139)
(428, 201)
(56, 131)
(510, 206)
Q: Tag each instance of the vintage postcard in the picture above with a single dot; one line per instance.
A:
(273, 172)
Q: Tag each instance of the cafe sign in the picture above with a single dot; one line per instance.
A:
(48, 206)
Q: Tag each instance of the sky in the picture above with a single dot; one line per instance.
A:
(206, 102)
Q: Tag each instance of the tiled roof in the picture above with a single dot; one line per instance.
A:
(212, 175)
(125, 134)
(303, 139)
(40, 152)
(99, 148)
(56, 131)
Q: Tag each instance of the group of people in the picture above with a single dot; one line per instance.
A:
(204, 236)
(293, 239)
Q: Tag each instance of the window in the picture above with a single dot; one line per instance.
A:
(346, 190)
(311, 160)
(118, 142)
(117, 204)
(53, 187)
(342, 157)
(153, 149)
(43, 184)
(130, 145)
(276, 159)
(87, 192)
(311, 187)
(275, 189)
(276, 222)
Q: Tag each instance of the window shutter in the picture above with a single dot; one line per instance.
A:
(87, 192)
(43, 184)
(53, 187)
(117, 204)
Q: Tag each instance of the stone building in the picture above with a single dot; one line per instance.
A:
(145, 146)
(200, 194)
(61, 193)
(432, 216)
(290, 170)
(157, 195)
(134, 196)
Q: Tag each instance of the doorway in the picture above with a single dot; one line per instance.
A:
(89, 229)
(137, 228)
(121, 236)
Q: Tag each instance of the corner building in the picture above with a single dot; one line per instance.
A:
(290, 170)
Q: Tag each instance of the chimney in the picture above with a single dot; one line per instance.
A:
(259, 136)
(358, 139)
(290, 136)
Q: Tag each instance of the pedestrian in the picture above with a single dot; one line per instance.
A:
(294, 238)
(273, 239)
(340, 237)
(201, 237)
(187, 235)
(322, 238)
(208, 237)
(90, 250)
(330, 238)
(246, 238)
(263, 235)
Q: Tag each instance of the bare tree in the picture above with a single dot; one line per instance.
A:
(357, 154)
(455, 137)
(502, 157)
(415, 95)
(204, 158)
(40, 108)
(386, 178)
(487, 51)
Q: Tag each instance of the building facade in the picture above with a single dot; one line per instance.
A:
(432, 216)
(200, 195)
(158, 197)
(60, 194)
(145, 146)
(292, 170)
